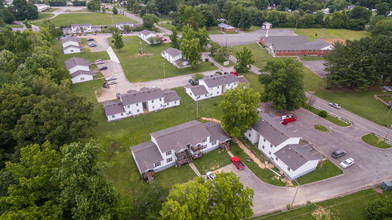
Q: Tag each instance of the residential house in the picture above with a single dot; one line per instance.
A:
(81, 28)
(285, 152)
(266, 26)
(295, 46)
(71, 45)
(42, 7)
(79, 69)
(212, 86)
(150, 37)
(174, 56)
(177, 145)
(134, 102)
(120, 25)
(226, 27)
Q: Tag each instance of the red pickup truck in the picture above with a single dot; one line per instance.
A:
(237, 162)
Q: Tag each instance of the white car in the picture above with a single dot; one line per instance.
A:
(335, 105)
(112, 82)
(347, 163)
(210, 175)
(99, 61)
(110, 78)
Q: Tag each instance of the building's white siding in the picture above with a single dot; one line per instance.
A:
(71, 50)
(145, 37)
(79, 29)
(79, 67)
(117, 116)
(269, 149)
(155, 104)
(82, 78)
(291, 174)
(134, 109)
(193, 96)
(252, 135)
(172, 104)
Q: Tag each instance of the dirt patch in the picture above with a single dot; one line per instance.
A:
(145, 54)
(332, 41)
(114, 147)
(376, 189)
(211, 119)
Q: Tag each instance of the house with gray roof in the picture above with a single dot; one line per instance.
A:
(295, 46)
(284, 151)
(71, 45)
(81, 28)
(225, 27)
(150, 37)
(266, 26)
(177, 145)
(134, 102)
(174, 56)
(120, 25)
(79, 69)
(214, 85)
(82, 76)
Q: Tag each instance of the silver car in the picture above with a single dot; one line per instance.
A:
(110, 78)
(335, 105)
(347, 163)
(112, 82)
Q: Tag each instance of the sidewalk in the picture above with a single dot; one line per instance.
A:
(194, 169)
(112, 55)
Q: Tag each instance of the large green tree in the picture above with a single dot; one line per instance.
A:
(149, 20)
(191, 51)
(239, 110)
(284, 84)
(174, 38)
(379, 209)
(244, 60)
(222, 198)
(118, 42)
(24, 10)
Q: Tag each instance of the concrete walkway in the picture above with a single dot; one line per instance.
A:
(194, 169)
(112, 55)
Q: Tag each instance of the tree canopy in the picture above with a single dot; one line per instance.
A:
(379, 209)
(239, 110)
(244, 60)
(284, 84)
(149, 20)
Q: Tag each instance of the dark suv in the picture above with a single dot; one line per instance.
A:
(338, 154)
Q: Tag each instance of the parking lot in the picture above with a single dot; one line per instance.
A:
(101, 40)
(316, 67)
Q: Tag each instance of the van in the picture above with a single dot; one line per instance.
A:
(338, 154)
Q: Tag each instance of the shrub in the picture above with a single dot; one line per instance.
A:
(57, 3)
(207, 60)
(323, 114)
(79, 3)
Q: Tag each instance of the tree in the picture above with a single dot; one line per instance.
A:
(103, 9)
(284, 84)
(7, 15)
(118, 42)
(191, 51)
(222, 198)
(94, 5)
(24, 10)
(222, 54)
(244, 60)
(127, 28)
(174, 38)
(383, 27)
(245, 21)
(214, 48)
(379, 209)
(149, 20)
(382, 9)
(239, 110)
(128, 6)
(115, 11)
(150, 203)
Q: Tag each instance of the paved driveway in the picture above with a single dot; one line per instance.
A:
(316, 66)
(101, 41)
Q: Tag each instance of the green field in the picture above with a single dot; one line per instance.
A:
(329, 118)
(326, 33)
(150, 66)
(325, 169)
(43, 16)
(14, 25)
(347, 207)
(88, 18)
(51, 10)
(374, 141)
(212, 161)
(253, 28)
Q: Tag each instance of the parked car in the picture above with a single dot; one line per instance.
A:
(347, 163)
(210, 175)
(164, 39)
(90, 39)
(237, 162)
(112, 82)
(103, 68)
(338, 154)
(110, 78)
(335, 105)
(288, 118)
(92, 44)
(99, 61)
(226, 73)
(234, 73)
(191, 82)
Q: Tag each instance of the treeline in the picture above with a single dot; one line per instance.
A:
(20, 10)
(362, 63)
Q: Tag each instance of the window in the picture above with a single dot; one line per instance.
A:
(113, 116)
(264, 139)
(153, 107)
(175, 102)
(204, 139)
(262, 147)
(160, 99)
(138, 110)
(157, 164)
(168, 153)
(130, 106)
(122, 114)
(217, 92)
(152, 101)
(249, 134)
(214, 142)
(169, 159)
(270, 145)
(288, 168)
(81, 78)
(269, 153)
(71, 50)
(276, 158)
(137, 104)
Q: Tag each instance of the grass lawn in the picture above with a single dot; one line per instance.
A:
(324, 170)
(43, 16)
(150, 66)
(56, 45)
(214, 30)
(14, 25)
(313, 33)
(253, 80)
(253, 28)
(329, 117)
(311, 58)
(348, 207)
(372, 139)
(221, 63)
(167, 26)
(321, 128)
(265, 175)
(212, 160)
(51, 10)
(89, 18)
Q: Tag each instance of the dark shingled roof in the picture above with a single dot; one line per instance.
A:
(75, 61)
(296, 155)
(146, 155)
(269, 132)
(66, 39)
(69, 46)
(217, 80)
(143, 95)
(112, 108)
(170, 95)
(242, 79)
(197, 90)
(216, 132)
(147, 32)
(79, 72)
(173, 51)
(179, 136)
(294, 43)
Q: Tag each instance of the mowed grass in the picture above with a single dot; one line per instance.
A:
(326, 33)
(374, 141)
(88, 18)
(321, 128)
(325, 169)
(150, 66)
(329, 118)
(212, 160)
(14, 25)
(348, 207)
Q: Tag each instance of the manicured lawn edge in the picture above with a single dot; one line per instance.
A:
(321, 128)
(325, 170)
(329, 118)
(372, 140)
(212, 160)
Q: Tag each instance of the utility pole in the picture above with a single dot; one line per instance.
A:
(164, 74)
(296, 22)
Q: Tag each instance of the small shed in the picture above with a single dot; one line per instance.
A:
(266, 26)
(386, 185)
